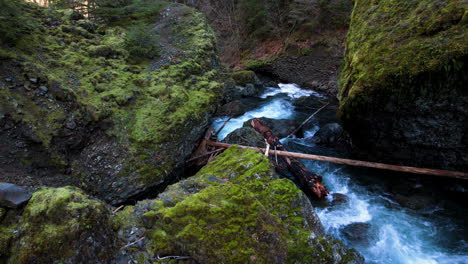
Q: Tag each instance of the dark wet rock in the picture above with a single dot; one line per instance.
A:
(331, 135)
(235, 108)
(242, 84)
(307, 103)
(338, 199)
(280, 127)
(249, 90)
(357, 232)
(13, 196)
(407, 109)
(246, 136)
(415, 202)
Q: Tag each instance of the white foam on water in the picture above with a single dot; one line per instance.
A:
(398, 236)
(280, 108)
(276, 109)
(356, 212)
(291, 89)
(395, 247)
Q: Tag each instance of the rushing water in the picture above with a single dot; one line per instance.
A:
(396, 234)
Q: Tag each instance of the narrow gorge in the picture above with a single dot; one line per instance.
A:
(106, 107)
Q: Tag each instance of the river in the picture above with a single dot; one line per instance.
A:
(394, 232)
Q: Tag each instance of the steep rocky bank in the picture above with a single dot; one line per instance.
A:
(79, 107)
(293, 41)
(403, 92)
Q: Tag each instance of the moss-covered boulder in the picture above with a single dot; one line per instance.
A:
(78, 107)
(243, 78)
(404, 92)
(235, 210)
(59, 225)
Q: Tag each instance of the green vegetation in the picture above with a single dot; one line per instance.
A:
(54, 224)
(141, 41)
(243, 78)
(15, 22)
(393, 42)
(236, 210)
(105, 72)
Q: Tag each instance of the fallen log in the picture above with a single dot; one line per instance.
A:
(306, 178)
(359, 163)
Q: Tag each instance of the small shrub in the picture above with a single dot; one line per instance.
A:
(141, 41)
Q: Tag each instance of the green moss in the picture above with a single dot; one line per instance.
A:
(242, 78)
(54, 224)
(44, 121)
(152, 110)
(391, 42)
(258, 64)
(6, 236)
(220, 224)
(236, 210)
(124, 218)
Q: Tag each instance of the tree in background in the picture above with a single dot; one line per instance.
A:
(14, 24)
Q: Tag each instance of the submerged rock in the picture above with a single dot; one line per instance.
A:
(13, 196)
(357, 232)
(331, 135)
(339, 199)
(235, 108)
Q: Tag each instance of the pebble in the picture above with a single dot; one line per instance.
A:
(70, 125)
(33, 80)
(43, 89)
(8, 79)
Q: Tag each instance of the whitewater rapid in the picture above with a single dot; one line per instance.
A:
(397, 235)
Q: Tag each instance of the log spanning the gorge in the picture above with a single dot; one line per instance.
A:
(452, 174)
(306, 178)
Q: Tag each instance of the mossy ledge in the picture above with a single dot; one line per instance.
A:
(235, 210)
(111, 123)
(403, 84)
